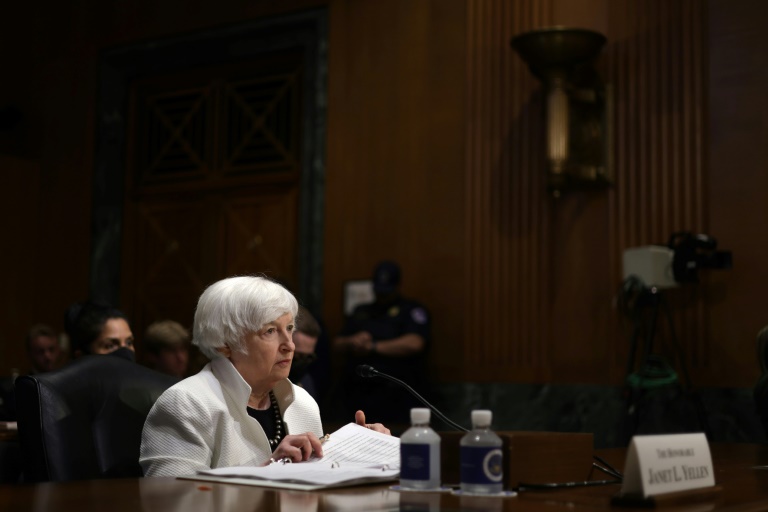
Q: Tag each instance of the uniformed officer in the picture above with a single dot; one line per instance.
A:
(392, 334)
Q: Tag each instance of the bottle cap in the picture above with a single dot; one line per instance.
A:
(482, 417)
(419, 415)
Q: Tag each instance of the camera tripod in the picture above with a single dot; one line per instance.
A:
(655, 383)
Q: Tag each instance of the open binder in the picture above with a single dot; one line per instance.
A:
(352, 455)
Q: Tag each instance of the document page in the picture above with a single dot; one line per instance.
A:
(352, 454)
(353, 444)
(317, 474)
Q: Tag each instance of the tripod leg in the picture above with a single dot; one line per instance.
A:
(689, 390)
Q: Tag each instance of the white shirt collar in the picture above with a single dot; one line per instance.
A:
(231, 380)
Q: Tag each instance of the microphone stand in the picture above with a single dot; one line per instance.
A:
(364, 370)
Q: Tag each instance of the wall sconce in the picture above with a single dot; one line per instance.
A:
(577, 105)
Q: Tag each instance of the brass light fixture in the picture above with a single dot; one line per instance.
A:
(577, 104)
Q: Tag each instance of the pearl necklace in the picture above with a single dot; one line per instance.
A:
(273, 442)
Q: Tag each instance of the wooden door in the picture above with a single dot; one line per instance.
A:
(212, 181)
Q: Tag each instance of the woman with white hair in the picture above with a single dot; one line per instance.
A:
(241, 409)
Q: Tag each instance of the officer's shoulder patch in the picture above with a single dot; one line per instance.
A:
(419, 315)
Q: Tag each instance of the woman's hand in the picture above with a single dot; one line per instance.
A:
(298, 447)
(378, 427)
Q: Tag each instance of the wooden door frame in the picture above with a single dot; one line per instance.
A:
(119, 66)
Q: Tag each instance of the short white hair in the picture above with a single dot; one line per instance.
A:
(232, 308)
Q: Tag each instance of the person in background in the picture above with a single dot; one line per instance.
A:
(312, 372)
(45, 355)
(241, 409)
(97, 328)
(166, 344)
(305, 337)
(392, 334)
(43, 349)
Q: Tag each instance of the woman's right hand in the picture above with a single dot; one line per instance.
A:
(298, 447)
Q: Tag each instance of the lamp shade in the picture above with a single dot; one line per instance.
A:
(557, 49)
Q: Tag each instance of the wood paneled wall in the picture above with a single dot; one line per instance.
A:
(395, 186)
(737, 184)
(542, 273)
(20, 179)
(658, 62)
(506, 235)
(434, 158)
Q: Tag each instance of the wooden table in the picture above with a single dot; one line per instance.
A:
(744, 489)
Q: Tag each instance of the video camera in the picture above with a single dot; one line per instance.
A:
(693, 252)
(679, 261)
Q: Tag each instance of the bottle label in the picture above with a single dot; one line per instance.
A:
(481, 465)
(414, 461)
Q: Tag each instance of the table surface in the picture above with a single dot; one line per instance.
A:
(744, 488)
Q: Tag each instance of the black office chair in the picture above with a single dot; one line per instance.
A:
(84, 421)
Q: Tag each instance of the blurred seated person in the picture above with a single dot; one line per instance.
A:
(43, 349)
(240, 409)
(98, 328)
(305, 336)
(166, 344)
(391, 334)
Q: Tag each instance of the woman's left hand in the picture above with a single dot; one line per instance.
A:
(378, 427)
(298, 447)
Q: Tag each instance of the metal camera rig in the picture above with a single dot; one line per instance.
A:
(648, 271)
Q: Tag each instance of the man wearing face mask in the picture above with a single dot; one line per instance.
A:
(305, 337)
(391, 334)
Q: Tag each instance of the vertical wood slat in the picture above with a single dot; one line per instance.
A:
(505, 221)
(654, 62)
(665, 59)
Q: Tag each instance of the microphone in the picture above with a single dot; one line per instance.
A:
(367, 371)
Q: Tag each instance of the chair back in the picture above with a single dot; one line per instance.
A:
(84, 421)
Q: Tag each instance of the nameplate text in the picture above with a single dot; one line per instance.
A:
(667, 463)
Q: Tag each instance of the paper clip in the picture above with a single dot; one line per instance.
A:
(335, 464)
(284, 460)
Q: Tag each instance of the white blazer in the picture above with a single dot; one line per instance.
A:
(202, 423)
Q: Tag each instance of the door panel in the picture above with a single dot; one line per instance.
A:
(260, 235)
(213, 182)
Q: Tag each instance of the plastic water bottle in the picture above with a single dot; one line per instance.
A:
(481, 457)
(420, 453)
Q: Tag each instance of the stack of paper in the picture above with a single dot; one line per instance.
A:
(352, 455)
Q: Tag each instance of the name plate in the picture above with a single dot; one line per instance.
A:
(668, 463)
